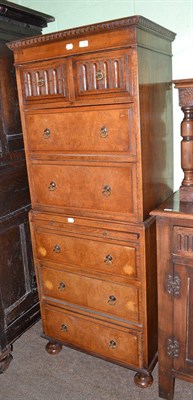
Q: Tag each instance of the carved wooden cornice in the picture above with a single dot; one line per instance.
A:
(137, 20)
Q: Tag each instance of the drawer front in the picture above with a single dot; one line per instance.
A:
(87, 189)
(96, 337)
(91, 131)
(87, 254)
(44, 80)
(118, 300)
(110, 75)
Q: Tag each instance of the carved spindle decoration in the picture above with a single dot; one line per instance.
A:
(185, 88)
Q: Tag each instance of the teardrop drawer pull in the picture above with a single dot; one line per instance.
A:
(112, 344)
(99, 75)
(112, 300)
(52, 186)
(41, 82)
(56, 248)
(106, 190)
(108, 259)
(104, 132)
(61, 286)
(64, 328)
(47, 133)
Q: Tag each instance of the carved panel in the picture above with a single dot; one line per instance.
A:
(186, 97)
(183, 241)
(45, 80)
(173, 347)
(174, 285)
(104, 75)
(96, 28)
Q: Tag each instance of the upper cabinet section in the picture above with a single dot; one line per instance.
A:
(101, 62)
(107, 76)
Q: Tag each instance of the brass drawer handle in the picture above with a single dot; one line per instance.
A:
(106, 190)
(99, 75)
(112, 300)
(56, 248)
(108, 259)
(112, 344)
(61, 286)
(41, 82)
(47, 133)
(52, 186)
(104, 132)
(64, 328)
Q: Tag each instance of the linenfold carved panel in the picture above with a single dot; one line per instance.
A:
(103, 75)
(45, 80)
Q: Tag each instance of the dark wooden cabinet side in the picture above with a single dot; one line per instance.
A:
(19, 305)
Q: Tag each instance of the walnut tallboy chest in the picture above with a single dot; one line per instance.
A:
(96, 109)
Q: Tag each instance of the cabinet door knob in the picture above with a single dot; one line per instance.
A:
(52, 186)
(99, 75)
(47, 133)
(112, 344)
(56, 248)
(104, 132)
(106, 190)
(41, 82)
(108, 259)
(64, 328)
(61, 286)
(112, 300)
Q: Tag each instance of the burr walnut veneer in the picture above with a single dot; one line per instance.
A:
(96, 112)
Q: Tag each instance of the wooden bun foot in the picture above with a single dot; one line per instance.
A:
(143, 380)
(53, 348)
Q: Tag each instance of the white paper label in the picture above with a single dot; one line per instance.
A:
(83, 43)
(69, 46)
(70, 220)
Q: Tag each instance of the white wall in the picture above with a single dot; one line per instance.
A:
(176, 15)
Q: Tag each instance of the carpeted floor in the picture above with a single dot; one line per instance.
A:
(71, 375)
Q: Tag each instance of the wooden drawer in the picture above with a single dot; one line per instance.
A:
(96, 337)
(108, 191)
(84, 254)
(101, 130)
(122, 301)
(106, 75)
(45, 80)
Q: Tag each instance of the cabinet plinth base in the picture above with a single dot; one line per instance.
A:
(143, 380)
(53, 348)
